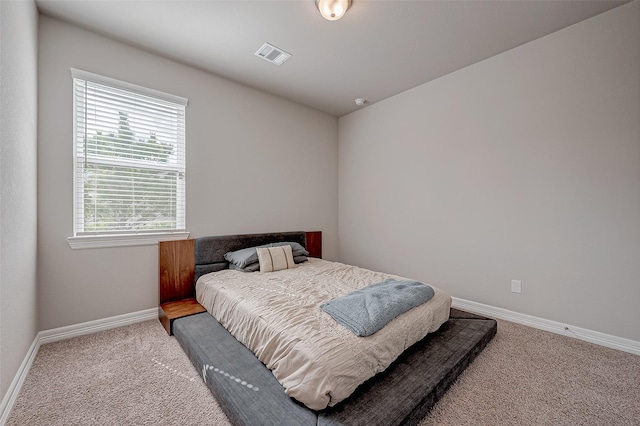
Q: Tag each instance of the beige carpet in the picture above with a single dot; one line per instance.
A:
(137, 375)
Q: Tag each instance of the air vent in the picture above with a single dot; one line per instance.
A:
(272, 54)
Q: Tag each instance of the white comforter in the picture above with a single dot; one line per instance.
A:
(317, 361)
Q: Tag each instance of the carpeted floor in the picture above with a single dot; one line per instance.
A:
(137, 375)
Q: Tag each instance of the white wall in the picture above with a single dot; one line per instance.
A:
(523, 166)
(255, 163)
(18, 194)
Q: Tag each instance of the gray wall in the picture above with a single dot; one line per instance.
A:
(523, 166)
(255, 163)
(18, 196)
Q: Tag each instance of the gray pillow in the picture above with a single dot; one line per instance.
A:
(243, 257)
(253, 267)
(249, 268)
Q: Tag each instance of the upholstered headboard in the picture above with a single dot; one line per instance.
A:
(209, 251)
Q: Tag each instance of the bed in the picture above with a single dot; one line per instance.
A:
(307, 379)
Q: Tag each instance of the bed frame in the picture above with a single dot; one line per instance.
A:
(248, 392)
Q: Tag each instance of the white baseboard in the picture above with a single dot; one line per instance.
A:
(62, 333)
(602, 339)
(14, 388)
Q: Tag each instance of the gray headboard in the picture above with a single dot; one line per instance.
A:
(209, 251)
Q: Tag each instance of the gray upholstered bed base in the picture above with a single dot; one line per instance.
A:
(249, 394)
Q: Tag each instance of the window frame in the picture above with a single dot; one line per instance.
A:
(129, 238)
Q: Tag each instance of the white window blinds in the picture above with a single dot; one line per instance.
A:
(129, 158)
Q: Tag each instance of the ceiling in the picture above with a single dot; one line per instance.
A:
(378, 49)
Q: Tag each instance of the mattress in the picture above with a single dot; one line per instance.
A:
(318, 362)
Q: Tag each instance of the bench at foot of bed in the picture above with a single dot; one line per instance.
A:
(403, 394)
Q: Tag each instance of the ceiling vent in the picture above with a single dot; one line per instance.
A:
(272, 54)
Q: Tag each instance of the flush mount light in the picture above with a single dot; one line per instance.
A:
(332, 10)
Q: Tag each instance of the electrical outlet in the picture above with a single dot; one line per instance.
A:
(516, 286)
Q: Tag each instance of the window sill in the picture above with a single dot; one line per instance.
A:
(101, 241)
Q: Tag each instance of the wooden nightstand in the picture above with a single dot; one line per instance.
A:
(167, 312)
(314, 244)
(175, 259)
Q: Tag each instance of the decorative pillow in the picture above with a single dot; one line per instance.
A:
(299, 259)
(275, 258)
(243, 257)
(296, 248)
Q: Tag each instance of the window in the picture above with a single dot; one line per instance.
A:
(129, 163)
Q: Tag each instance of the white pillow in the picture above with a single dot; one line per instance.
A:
(275, 258)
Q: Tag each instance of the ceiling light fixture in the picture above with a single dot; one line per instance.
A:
(332, 10)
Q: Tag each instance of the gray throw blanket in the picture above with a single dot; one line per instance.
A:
(368, 309)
